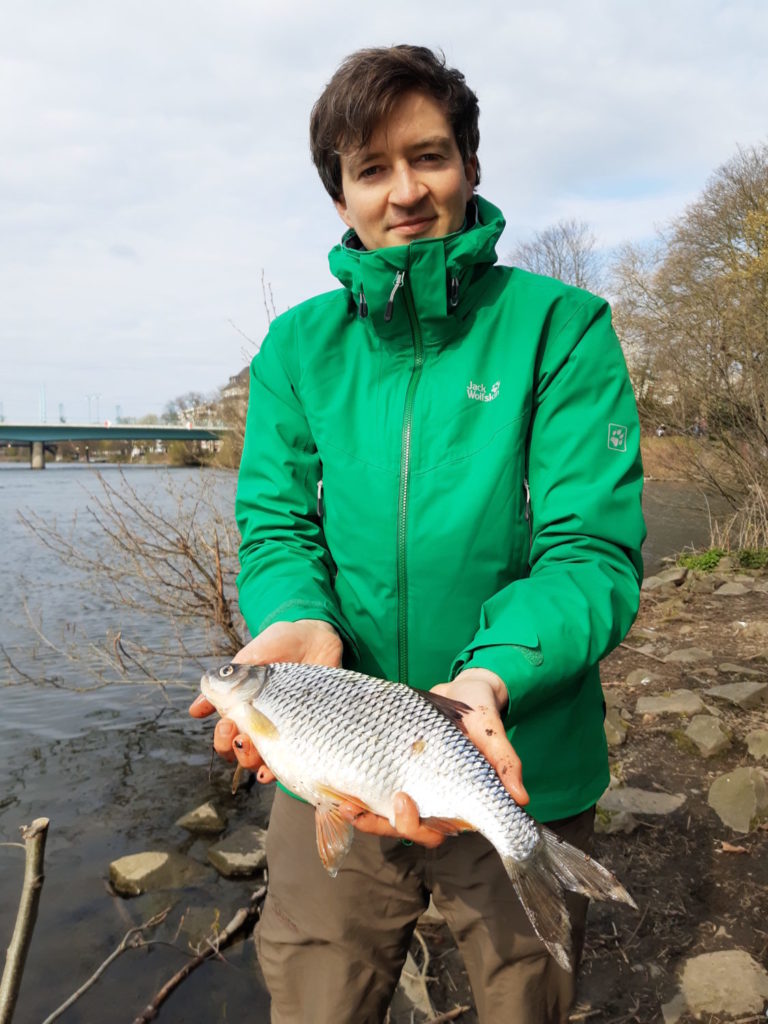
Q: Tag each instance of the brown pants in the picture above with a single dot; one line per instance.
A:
(331, 949)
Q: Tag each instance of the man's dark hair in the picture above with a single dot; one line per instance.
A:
(366, 87)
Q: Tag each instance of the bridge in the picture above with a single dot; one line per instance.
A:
(40, 437)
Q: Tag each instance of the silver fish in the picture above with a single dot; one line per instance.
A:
(334, 736)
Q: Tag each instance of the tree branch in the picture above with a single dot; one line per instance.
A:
(34, 837)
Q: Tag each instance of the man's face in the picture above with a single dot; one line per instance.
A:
(409, 181)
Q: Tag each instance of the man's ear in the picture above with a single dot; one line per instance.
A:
(341, 209)
(470, 172)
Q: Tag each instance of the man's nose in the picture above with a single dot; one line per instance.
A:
(407, 188)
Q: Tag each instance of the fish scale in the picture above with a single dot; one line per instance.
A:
(332, 736)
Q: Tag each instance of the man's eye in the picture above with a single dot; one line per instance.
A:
(430, 157)
(368, 172)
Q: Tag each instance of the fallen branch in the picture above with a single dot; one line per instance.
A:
(34, 837)
(131, 940)
(215, 942)
(441, 1018)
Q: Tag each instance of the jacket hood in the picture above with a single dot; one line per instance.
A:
(435, 274)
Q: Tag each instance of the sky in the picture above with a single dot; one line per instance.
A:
(154, 163)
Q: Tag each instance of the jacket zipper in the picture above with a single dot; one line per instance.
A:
(405, 466)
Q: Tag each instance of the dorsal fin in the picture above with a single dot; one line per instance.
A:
(454, 710)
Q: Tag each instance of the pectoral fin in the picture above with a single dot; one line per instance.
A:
(258, 726)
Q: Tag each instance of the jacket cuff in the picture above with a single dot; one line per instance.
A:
(504, 660)
(292, 611)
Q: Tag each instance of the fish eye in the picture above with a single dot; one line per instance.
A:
(226, 670)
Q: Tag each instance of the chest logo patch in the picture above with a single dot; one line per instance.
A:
(479, 392)
(617, 437)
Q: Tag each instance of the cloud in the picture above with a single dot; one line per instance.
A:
(155, 159)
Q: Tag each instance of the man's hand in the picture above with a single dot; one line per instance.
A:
(307, 641)
(486, 694)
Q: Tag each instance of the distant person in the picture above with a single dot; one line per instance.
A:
(440, 485)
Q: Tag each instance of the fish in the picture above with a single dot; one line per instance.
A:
(333, 736)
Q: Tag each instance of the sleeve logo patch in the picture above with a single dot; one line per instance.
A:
(617, 437)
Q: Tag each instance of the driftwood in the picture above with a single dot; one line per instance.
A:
(215, 943)
(34, 837)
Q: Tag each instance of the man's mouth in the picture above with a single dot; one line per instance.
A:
(413, 225)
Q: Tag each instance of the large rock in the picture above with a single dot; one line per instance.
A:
(676, 702)
(688, 655)
(747, 694)
(740, 798)
(639, 801)
(757, 743)
(155, 869)
(641, 677)
(730, 668)
(611, 822)
(203, 820)
(728, 982)
(615, 728)
(732, 590)
(241, 853)
(675, 575)
(708, 735)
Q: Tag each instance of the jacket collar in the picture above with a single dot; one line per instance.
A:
(434, 274)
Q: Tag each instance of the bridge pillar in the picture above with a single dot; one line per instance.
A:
(37, 455)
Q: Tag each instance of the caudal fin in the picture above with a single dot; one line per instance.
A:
(540, 880)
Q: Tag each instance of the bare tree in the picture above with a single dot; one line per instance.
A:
(695, 316)
(566, 250)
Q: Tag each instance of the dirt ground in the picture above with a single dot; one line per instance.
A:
(694, 894)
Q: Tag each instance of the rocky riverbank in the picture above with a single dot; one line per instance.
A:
(684, 825)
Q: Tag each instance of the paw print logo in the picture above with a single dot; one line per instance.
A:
(617, 437)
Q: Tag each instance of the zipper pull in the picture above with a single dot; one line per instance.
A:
(453, 298)
(320, 499)
(363, 305)
(399, 281)
(527, 500)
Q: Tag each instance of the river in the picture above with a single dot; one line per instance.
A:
(114, 767)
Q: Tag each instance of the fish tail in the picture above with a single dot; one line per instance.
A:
(541, 879)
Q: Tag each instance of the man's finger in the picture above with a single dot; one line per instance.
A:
(245, 752)
(223, 738)
(201, 707)
(492, 741)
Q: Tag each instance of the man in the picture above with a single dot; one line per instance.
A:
(441, 485)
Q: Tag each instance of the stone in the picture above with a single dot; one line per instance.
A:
(614, 696)
(652, 583)
(615, 728)
(727, 564)
(411, 994)
(756, 629)
(203, 820)
(729, 981)
(676, 702)
(745, 695)
(640, 801)
(757, 743)
(672, 1011)
(675, 575)
(732, 669)
(241, 853)
(761, 586)
(155, 869)
(731, 590)
(700, 584)
(641, 677)
(748, 581)
(611, 822)
(740, 798)
(688, 655)
(708, 735)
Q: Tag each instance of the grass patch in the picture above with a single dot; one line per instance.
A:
(707, 561)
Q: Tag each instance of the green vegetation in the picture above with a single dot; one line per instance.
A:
(707, 561)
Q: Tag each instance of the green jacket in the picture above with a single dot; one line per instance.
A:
(442, 460)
